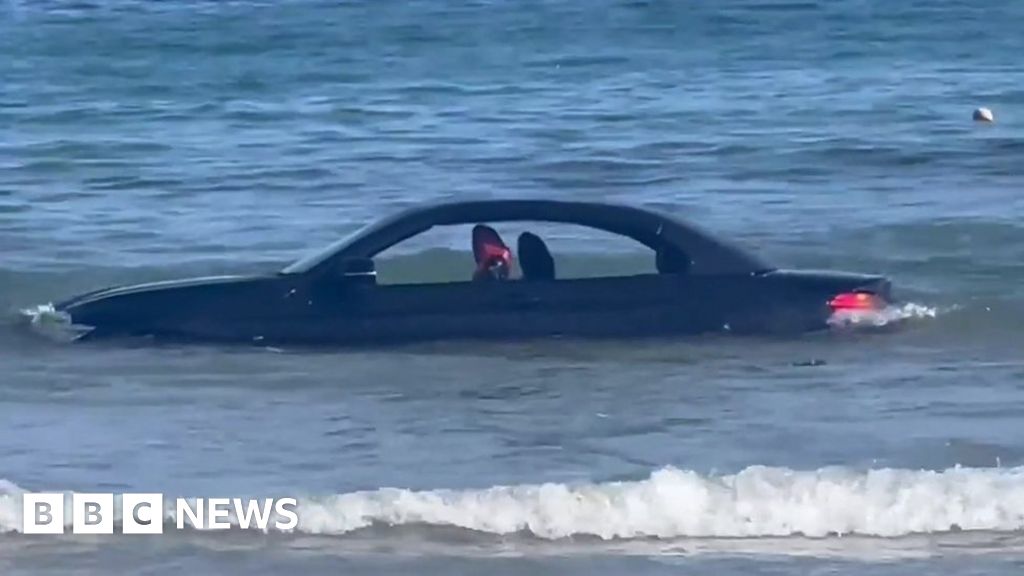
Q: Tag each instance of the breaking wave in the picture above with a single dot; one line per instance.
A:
(672, 503)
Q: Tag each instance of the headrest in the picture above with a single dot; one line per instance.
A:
(535, 258)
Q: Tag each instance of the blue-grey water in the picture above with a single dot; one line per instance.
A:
(144, 140)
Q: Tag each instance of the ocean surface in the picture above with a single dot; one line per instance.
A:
(144, 140)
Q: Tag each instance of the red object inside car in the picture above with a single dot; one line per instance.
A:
(493, 257)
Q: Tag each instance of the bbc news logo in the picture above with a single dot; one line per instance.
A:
(44, 513)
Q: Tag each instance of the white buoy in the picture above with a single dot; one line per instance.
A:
(983, 115)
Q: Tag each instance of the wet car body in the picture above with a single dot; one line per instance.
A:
(702, 284)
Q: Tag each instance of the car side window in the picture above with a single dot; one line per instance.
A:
(540, 252)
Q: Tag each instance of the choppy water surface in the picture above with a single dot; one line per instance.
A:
(147, 140)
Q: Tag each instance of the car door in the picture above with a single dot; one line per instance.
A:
(365, 312)
(646, 304)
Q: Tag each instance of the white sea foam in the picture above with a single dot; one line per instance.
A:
(756, 502)
(886, 316)
(46, 320)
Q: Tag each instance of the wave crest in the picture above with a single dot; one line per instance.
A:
(672, 503)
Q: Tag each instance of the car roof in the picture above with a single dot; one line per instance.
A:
(709, 255)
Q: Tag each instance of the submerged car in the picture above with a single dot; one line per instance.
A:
(701, 284)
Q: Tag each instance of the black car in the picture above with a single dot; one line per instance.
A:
(701, 285)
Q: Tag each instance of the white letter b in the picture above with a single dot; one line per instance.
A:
(92, 514)
(42, 513)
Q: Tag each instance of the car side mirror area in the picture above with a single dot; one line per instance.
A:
(358, 271)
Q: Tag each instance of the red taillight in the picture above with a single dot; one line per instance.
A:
(856, 301)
